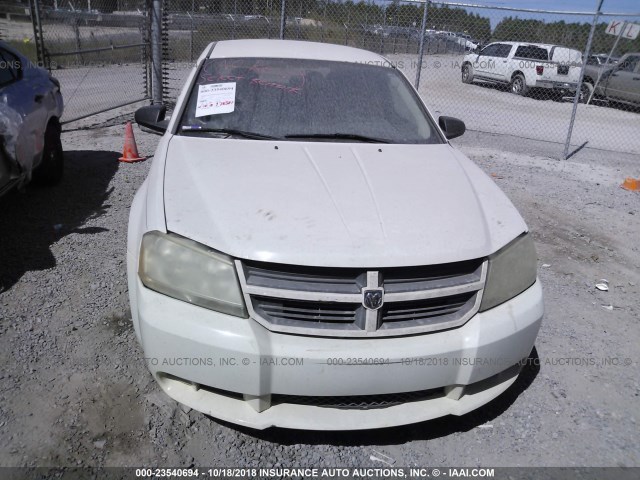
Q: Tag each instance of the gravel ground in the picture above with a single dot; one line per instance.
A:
(75, 391)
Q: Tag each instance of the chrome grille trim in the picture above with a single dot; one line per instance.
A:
(322, 315)
(367, 323)
(296, 278)
(300, 295)
(357, 297)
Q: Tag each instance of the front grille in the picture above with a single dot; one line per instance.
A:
(358, 402)
(424, 312)
(286, 312)
(335, 280)
(410, 279)
(325, 301)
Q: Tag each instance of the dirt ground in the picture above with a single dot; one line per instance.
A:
(74, 390)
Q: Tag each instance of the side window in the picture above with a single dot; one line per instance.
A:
(503, 50)
(490, 50)
(531, 52)
(9, 68)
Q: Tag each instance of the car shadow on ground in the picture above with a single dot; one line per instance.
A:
(500, 87)
(536, 93)
(440, 427)
(33, 220)
(624, 107)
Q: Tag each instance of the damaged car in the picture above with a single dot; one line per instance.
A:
(30, 109)
(309, 251)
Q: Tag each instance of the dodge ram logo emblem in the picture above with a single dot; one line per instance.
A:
(373, 298)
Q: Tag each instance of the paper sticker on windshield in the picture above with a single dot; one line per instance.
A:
(216, 98)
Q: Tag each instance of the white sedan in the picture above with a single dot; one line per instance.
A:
(309, 251)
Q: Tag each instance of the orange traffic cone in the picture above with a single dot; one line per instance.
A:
(130, 150)
(631, 184)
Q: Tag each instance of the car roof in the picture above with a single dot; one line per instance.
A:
(294, 49)
(547, 46)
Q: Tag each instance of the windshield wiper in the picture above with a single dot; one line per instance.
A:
(230, 131)
(340, 136)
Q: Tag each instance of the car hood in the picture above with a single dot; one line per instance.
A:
(334, 204)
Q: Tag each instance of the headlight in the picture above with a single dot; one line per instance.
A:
(189, 271)
(511, 271)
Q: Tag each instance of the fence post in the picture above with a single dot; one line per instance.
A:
(156, 51)
(421, 49)
(365, 29)
(192, 26)
(37, 33)
(384, 28)
(346, 26)
(576, 98)
(191, 37)
(76, 33)
(283, 19)
(324, 23)
(144, 52)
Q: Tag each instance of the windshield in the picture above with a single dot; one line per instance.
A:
(305, 99)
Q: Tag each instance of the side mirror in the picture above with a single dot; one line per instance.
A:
(152, 118)
(452, 127)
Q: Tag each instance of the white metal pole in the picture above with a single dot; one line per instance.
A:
(576, 98)
(156, 51)
(421, 49)
(283, 19)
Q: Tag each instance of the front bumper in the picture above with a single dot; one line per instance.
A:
(231, 368)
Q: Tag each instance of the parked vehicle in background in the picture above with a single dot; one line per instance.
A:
(615, 83)
(326, 247)
(601, 59)
(468, 44)
(525, 66)
(30, 110)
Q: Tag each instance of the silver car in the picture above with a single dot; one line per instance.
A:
(618, 83)
(30, 109)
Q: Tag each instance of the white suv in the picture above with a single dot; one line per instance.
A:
(309, 251)
(524, 66)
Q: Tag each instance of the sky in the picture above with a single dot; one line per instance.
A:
(608, 6)
(623, 6)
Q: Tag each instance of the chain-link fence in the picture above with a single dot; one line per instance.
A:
(502, 70)
(101, 59)
(387, 28)
(519, 73)
(609, 115)
(190, 25)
